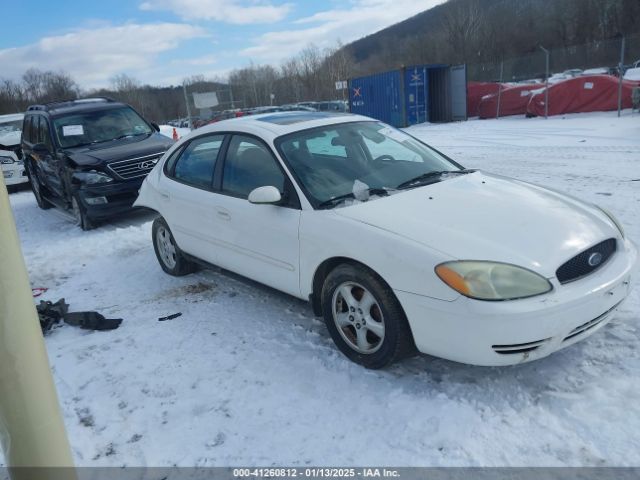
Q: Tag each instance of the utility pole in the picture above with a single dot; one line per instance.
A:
(500, 89)
(621, 76)
(186, 101)
(546, 82)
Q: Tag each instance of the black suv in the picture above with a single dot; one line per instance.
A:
(89, 156)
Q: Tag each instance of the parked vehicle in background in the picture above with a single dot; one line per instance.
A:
(10, 152)
(89, 156)
(332, 106)
(397, 246)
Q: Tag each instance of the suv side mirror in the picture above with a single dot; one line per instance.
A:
(265, 196)
(41, 149)
(155, 126)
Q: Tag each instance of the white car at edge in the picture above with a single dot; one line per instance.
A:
(397, 246)
(10, 153)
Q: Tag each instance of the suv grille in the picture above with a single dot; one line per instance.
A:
(135, 167)
(586, 262)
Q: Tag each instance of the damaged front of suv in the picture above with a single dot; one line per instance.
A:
(10, 152)
(89, 156)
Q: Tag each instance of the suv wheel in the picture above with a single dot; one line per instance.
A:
(36, 188)
(364, 317)
(169, 255)
(80, 214)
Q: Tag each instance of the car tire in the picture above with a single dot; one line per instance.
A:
(80, 214)
(364, 317)
(169, 255)
(36, 188)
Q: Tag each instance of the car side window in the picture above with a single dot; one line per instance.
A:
(197, 162)
(33, 134)
(44, 136)
(249, 164)
(26, 129)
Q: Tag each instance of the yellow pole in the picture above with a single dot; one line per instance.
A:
(32, 432)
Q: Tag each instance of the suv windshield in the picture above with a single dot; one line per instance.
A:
(10, 127)
(353, 160)
(97, 126)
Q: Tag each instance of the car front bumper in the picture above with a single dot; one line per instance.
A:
(14, 174)
(118, 198)
(517, 331)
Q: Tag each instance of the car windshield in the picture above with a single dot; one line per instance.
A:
(98, 126)
(10, 127)
(360, 160)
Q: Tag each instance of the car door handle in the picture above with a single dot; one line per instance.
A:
(223, 214)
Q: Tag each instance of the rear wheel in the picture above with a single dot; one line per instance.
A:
(364, 317)
(36, 188)
(169, 255)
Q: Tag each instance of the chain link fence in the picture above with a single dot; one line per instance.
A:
(506, 86)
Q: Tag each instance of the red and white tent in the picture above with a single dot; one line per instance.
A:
(513, 101)
(591, 93)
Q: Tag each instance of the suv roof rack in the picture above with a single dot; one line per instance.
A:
(69, 103)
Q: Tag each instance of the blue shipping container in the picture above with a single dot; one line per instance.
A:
(416, 87)
(412, 95)
(378, 96)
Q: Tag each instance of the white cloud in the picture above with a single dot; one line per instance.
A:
(92, 56)
(229, 11)
(324, 28)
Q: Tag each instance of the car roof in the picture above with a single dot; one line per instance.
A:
(276, 124)
(12, 117)
(77, 105)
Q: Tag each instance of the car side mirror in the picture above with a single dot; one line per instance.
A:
(155, 126)
(265, 196)
(41, 149)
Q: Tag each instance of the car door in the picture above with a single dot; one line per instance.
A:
(257, 241)
(187, 198)
(53, 162)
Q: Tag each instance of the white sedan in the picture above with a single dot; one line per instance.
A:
(398, 247)
(10, 152)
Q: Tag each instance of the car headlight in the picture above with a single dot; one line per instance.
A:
(484, 280)
(92, 178)
(613, 219)
(5, 160)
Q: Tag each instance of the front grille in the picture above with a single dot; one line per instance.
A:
(518, 347)
(583, 264)
(134, 167)
(590, 324)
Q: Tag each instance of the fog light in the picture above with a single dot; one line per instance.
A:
(7, 174)
(96, 200)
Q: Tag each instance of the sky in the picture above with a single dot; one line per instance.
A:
(161, 42)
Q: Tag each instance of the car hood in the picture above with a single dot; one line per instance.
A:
(107, 152)
(487, 217)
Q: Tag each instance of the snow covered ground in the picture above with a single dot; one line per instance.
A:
(247, 376)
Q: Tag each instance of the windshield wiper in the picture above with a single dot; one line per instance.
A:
(427, 178)
(336, 200)
(129, 135)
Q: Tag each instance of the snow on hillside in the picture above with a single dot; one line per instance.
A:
(247, 376)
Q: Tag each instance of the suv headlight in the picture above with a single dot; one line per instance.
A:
(6, 160)
(92, 177)
(612, 218)
(484, 280)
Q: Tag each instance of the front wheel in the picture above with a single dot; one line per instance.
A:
(171, 259)
(364, 317)
(80, 214)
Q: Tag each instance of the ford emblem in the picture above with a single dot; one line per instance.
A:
(595, 259)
